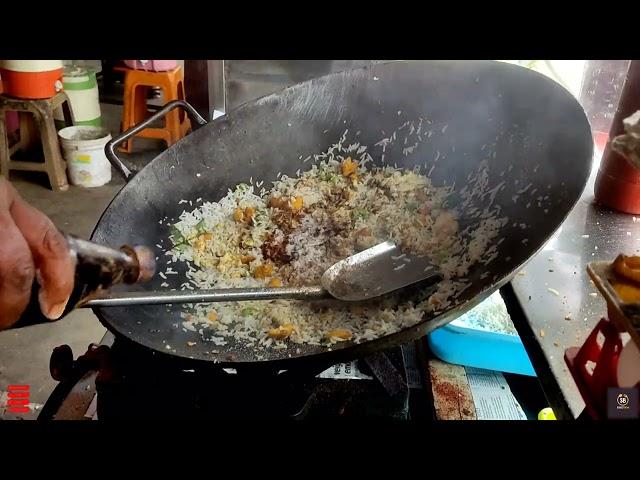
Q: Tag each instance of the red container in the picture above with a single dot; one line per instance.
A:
(618, 182)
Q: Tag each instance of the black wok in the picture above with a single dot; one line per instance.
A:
(531, 130)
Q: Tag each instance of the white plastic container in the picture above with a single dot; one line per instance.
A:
(82, 89)
(83, 149)
(31, 78)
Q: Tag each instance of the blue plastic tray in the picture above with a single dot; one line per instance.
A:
(481, 348)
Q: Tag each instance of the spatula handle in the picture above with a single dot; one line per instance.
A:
(207, 296)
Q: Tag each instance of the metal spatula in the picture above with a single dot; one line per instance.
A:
(373, 272)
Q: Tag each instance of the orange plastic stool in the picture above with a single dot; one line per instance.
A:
(136, 86)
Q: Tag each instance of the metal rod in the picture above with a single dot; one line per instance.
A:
(110, 147)
(207, 296)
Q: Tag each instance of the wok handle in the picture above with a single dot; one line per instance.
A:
(110, 148)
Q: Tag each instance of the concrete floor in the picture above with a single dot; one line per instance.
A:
(25, 352)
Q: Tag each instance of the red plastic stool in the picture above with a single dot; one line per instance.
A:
(594, 366)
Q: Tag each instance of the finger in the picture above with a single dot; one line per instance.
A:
(55, 267)
(16, 271)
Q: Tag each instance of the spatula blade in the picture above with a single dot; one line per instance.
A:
(373, 272)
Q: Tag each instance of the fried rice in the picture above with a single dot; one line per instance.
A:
(289, 234)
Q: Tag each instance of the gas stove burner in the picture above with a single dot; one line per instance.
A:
(132, 384)
(126, 391)
(385, 395)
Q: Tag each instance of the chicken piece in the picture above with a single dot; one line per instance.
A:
(238, 215)
(263, 271)
(274, 283)
(212, 316)
(435, 301)
(249, 212)
(339, 334)
(293, 204)
(281, 332)
(247, 259)
(201, 241)
(296, 203)
(278, 202)
(348, 167)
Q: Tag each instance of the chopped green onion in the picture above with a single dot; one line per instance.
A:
(201, 227)
(245, 312)
(177, 235)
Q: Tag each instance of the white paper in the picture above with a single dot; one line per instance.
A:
(492, 396)
(92, 411)
(345, 371)
(216, 114)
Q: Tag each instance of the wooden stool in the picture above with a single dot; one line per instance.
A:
(136, 86)
(42, 110)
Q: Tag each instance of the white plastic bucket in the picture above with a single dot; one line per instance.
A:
(83, 149)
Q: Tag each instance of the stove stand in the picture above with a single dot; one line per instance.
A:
(132, 384)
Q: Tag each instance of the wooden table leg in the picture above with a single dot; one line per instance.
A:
(4, 146)
(29, 134)
(55, 164)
